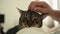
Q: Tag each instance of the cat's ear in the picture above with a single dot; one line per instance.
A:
(20, 11)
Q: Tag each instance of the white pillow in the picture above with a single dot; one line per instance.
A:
(32, 30)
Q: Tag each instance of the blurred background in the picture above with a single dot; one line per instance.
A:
(8, 8)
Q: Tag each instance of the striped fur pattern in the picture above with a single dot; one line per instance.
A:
(30, 19)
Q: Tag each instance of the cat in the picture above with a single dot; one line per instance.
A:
(27, 19)
(30, 19)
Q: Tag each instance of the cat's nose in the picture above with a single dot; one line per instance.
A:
(29, 26)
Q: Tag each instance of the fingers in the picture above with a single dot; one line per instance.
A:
(42, 7)
(35, 4)
(46, 5)
(32, 5)
(38, 9)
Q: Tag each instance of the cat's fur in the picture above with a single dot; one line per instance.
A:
(27, 19)
(30, 19)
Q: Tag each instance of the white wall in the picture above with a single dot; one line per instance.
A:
(59, 4)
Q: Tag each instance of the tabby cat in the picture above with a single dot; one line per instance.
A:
(27, 19)
(30, 19)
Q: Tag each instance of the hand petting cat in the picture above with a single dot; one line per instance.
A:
(43, 7)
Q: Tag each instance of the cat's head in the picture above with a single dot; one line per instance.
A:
(30, 18)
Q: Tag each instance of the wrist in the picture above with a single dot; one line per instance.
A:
(51, 12)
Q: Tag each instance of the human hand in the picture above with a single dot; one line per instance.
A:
(42, 7)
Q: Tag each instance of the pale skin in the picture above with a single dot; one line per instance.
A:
(43, 7)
